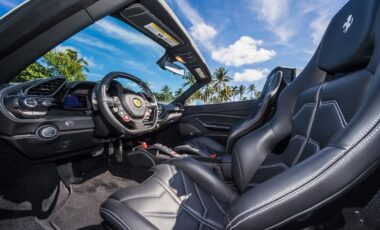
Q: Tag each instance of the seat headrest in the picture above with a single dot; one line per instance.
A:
(348, 41)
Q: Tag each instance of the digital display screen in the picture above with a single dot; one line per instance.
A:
(75, 102)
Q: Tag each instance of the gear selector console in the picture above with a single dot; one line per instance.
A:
(148, 156)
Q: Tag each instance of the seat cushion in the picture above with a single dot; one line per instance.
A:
(201, 146)
(173, 198)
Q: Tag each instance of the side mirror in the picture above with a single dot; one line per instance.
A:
(174, 68)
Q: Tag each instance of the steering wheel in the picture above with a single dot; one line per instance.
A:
(129, 113)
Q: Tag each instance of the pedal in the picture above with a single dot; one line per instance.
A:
(119, 151)
(98, 151)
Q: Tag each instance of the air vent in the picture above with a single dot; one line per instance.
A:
(160, 109)
(180, 107)
(47, 88)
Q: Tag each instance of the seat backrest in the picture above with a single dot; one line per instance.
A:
(332, 113)
(261, 108)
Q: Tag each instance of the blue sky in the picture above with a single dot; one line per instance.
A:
(248, 37)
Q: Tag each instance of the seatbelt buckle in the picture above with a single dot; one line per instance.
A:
(213, 155)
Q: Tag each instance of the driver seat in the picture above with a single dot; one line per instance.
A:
(206, 146)
(332, 113)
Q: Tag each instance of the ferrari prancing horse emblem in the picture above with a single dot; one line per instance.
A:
(137, 102)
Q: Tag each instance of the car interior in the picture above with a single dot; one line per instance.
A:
(99, 155)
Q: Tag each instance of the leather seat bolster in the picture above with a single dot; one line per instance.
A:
(206, 179)
(256, 118)
(173, 196)
(121, 217)
(306, 186)
(247, 156)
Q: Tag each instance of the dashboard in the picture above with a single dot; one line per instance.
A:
(53, 118)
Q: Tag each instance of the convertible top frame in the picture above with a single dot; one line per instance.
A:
(24, 37)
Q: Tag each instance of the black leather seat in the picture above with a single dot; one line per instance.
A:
(206, 146)
(332, 113)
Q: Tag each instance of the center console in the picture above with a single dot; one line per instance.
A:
(148, 156)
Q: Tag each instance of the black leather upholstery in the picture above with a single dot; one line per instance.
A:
(201, 146)
(205, 146)
(333, 121)
(180, 195)
(353, 45)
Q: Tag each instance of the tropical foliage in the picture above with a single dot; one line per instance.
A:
(221, 89)
(69, 64)
(65, 63)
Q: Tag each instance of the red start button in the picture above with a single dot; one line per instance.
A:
(125, 118)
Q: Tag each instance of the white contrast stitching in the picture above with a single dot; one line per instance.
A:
(304, 106)
(283, 165)
(115, 217)
(203, 204)
(310, 125)
(307, 180)
(337, 109)
(361, 135)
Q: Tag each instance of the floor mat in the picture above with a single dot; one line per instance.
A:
(82, 209)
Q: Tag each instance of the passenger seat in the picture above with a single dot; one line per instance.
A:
(205, 146)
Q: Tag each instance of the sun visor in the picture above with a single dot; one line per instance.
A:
(147, 23)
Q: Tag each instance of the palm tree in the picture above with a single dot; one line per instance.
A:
(166, 93)
(197, 95)
(67, 63)
(178, 92)
(258, 94)
(251, 89)
(207, 92)
(241, 91)
(234, 92)
(189, 79)
(221, 79)
(225, 94)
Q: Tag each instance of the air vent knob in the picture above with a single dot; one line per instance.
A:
(47, 131)
(30, 102)
(46, 103)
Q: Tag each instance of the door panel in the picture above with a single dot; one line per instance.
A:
(213, 120)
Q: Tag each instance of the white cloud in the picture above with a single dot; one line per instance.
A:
(200, 31)
(243, 51)
(286, 18)
(318, 27)
(8, 4)
(91, 41)
(118, 32)
(204, 34)
(276, 15)
(323, 10)
(273, 10)
(250, 75)
(62, 48)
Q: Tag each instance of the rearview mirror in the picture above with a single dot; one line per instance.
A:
(166, 62)
(174, 68)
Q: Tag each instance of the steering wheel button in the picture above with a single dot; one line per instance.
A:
(126, 118)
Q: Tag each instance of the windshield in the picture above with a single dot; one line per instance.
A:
(106, 46)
